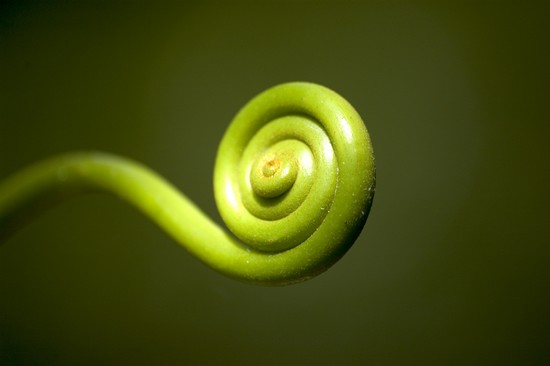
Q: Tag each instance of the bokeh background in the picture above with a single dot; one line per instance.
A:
(452, 267)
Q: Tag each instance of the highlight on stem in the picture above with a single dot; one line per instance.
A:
(294, 182)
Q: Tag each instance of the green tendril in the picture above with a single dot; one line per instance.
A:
(294, 181)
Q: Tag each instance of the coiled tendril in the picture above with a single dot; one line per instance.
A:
(294, 181)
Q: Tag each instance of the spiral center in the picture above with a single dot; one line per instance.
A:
(273, 174)
(271, 168)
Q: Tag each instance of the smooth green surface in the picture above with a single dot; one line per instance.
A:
(452, 266)
(325, 218)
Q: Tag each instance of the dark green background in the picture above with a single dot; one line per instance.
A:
(452, 267)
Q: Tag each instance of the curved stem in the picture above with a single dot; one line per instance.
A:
(44, 183)
(36, 187)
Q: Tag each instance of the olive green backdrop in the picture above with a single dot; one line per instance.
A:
(452, 267)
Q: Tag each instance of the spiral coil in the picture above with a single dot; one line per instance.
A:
(294, 181)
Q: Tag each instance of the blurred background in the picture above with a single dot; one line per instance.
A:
(452, 267)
